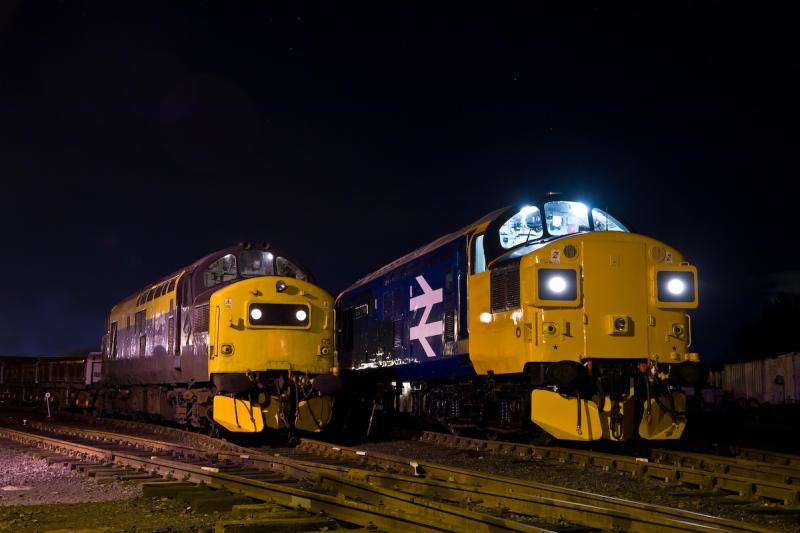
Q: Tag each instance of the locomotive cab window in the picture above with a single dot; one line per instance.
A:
(605, 222)
(220, 271)
(524, 226)
(255, 263)
(284, 267)
(565, 218)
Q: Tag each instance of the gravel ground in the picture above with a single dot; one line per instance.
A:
(27, 480)
(585, 479)
(37, 497)
(141, 515)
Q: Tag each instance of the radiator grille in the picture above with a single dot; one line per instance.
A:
(505, 287)
(201, 318)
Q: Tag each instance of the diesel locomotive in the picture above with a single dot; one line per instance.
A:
(546, 316)
(242, 337)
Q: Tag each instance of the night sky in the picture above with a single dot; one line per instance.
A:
(134, 140)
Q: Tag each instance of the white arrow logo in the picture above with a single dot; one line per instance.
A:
(427, 299)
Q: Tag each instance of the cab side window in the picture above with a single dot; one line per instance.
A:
(478, 262)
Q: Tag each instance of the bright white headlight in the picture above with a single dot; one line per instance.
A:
(301, 315)
(557, 284)
(255, 313)
(676, 286)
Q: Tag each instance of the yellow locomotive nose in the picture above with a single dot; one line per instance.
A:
(626, 320)
(270, 356)
(615, 297)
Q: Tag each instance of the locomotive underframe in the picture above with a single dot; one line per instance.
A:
(191, 404)
(624, 392)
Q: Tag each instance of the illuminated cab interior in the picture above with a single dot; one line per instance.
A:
(526, 231)
(246, 264)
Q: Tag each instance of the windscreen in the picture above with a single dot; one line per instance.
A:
(565, 218)
(524, 226)
(255, 263)
(605, 222)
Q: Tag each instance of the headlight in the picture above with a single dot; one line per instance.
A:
(675, 286)
(558, 284)
(266, 314)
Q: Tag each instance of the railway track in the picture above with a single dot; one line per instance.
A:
(743, 477)
(356, 488)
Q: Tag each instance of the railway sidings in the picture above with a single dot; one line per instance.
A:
(323, 485)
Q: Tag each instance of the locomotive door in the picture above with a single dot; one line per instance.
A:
(616, 286)
(479, 306)
(354, 332)
(112, 341)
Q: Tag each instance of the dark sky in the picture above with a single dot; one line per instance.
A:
(135, 139)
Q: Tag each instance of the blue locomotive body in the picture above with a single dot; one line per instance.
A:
(408, 321)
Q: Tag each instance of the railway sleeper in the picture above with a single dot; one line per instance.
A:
(276, 524)
(201, 498)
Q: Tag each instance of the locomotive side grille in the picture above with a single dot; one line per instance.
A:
(201, 318)
(505, 287)
(397, 337)
(449, 307)
(171, 335)
(450, 325)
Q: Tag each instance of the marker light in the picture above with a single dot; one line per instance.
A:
(557, 284)
(255, 313)
(676, 286)
(301, 315)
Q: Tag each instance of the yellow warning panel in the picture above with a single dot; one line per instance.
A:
(274, 414)
(667, 419)
(558, 415)
(238, 415)
(314, 414)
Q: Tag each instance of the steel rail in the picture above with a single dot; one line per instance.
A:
(642, 515)
(198, 440)
(703, 480)
(145, 443)
(776, 458)
(387, 510)
(737, 466)
(40, 441)
(445, 499)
